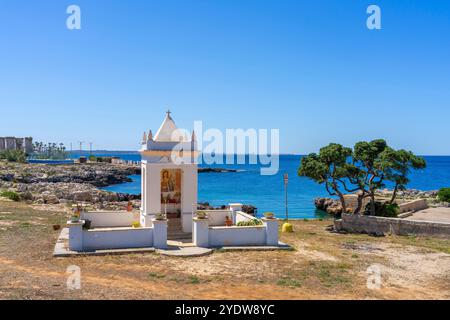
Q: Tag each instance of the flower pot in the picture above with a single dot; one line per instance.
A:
(87, 224)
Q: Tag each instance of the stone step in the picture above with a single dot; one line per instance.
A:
(179, 235)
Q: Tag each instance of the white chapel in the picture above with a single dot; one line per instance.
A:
(169, 176)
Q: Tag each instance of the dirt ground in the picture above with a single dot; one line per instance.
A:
(324, 265)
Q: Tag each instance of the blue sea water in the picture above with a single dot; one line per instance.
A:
(267, 192)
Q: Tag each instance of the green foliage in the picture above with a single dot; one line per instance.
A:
(289, 282)
(10, 195)
(201, 215)
(13, 155)
(444, 195)
(365, 169)
(249, 223)
(52, 151)
(389, 210)
(269, 215)
(330, 163)
(93, 158)
(194, 280)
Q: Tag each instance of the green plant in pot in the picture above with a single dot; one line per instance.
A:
(202, 215)
(160, 216)
(269, 215)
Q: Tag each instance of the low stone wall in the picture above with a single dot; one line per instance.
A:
(81, 240)
(380, 225)
(110, 219)
(99, 239)
(413, 206)
(351, 202)
(217, 217)
(263, 235)
(237, 236)
(242, 217)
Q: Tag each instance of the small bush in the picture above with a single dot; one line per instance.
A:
(10, 195)
(250, 223)
(269, 215)
(444, 195)
(13, 155)
(383, 209)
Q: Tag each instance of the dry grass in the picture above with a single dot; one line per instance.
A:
(324, 265)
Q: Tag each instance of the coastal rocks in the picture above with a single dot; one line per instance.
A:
(99, 175)
(330, 206)
(409, 194)
(54, 193)
(79, 183)
(47, 197)
(249, 209)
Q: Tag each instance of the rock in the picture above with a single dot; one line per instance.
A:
(26, 196)
(82, 196)
(331, 206)
(249, 209)
(49, 198)
(39, 201)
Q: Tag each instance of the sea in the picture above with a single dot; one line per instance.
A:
(268, 193)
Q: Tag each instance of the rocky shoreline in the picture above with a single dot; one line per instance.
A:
(45, 184)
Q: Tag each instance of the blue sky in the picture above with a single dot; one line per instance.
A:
(310, 68)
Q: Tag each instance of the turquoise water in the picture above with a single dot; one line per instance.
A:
(267, 192)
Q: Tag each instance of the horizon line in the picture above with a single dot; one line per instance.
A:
(225, 154)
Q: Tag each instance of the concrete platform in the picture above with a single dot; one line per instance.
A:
(281, 246)
(62, 248)
(176, 248)
(441, 214)
(193, 251)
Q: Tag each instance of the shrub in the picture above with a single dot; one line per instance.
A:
(383, 209)
(10, 195)
(269, 215)
(13, 155)
(249, 223)
(390, 210)
(444, 195)
(201, 215)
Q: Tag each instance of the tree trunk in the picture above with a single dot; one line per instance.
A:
(372, 204)
(394, 194)
(359, 205)
(342, 199)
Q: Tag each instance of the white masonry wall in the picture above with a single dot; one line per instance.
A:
(102, 219)
(237, 236)
(151, 191)
(101, 239)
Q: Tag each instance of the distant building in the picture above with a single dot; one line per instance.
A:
(13, 143)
